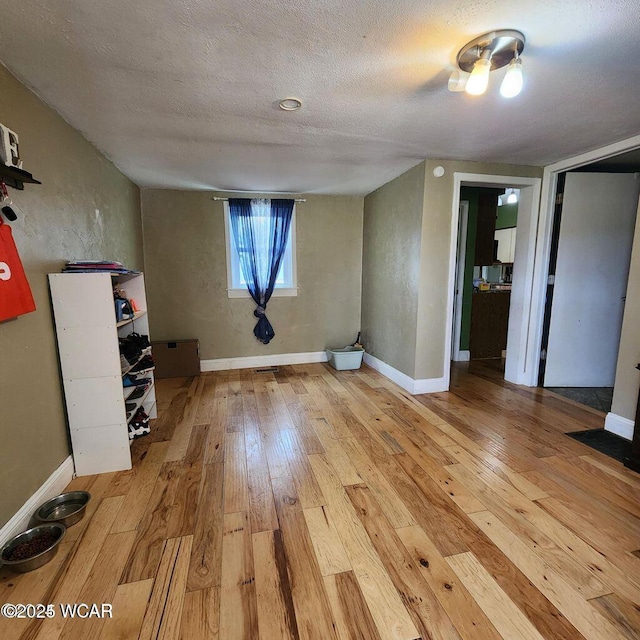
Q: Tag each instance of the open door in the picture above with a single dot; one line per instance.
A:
(457, 354)
(589, 287)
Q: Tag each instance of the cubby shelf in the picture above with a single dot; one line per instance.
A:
(88, 334)
(136, 316)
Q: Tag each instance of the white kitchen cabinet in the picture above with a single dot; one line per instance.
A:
(506, 244)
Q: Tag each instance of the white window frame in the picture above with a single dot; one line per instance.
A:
(289, 263)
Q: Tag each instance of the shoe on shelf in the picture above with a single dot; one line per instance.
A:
(129, 349)
(144, 366)
(131, 381)
(139, 425)
(138, 393)
(142, 342)
(137, 431)
(129, 406)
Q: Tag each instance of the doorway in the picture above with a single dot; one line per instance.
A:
(515, 363)
(594, 221)
(486, 248)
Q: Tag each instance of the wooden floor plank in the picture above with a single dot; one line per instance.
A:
(129, 606)
(262, 511)
(206, 558)
(217, 431)
(331, 556)
(164, 614)
(499, 608)
(236, 491)
(309, 598)
(276, 614)
(238, 615)
(201, 615)
(141, 489)
(152, 530)
(181, 520)
(352, 617)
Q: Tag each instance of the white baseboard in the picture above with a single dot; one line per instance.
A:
(430, 385)
(620, 426)
(462, 356)
(414, 387)
(252, 362)
(53, 486)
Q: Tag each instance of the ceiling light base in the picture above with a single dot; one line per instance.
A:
(502, 44)
(290, 104)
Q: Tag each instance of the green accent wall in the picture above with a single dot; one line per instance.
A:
(469, 194)
(507, 216)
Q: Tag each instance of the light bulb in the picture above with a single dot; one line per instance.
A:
(512, 198)
(479, 78)
(513, 80)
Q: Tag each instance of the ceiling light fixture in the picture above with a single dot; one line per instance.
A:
(290, 104)
(487, 53)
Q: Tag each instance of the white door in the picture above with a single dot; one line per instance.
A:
(457, 354)
(596, 235)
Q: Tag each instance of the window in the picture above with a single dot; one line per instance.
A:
(286, 282)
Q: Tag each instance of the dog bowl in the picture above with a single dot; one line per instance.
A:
(67, 508)
(34, 547)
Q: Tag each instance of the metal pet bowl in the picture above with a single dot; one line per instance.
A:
(35, 561)
(67, 508)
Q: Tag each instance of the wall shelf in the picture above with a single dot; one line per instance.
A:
(16, 177)
(136, 316)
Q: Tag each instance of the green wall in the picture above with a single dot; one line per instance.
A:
(507, 217)
(471, 195)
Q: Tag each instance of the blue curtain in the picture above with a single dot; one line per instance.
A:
(260, 248)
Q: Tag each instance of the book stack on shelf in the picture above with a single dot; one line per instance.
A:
(97, 266)
(106, 362)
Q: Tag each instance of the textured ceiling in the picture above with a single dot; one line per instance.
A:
(183, 93)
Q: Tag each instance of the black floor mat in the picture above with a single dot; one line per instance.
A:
(605, 442)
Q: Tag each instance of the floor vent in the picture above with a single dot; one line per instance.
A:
(267, 370)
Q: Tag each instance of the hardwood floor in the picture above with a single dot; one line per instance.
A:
(316, 504)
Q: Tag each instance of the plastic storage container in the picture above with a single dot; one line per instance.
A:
(345, 358)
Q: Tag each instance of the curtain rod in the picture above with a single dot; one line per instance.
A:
(227, 199)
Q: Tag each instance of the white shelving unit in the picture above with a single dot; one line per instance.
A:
(88, 335)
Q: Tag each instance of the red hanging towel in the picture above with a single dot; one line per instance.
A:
(15, 293)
